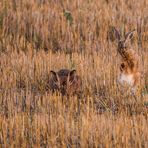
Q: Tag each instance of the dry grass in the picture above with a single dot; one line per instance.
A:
(37, 36)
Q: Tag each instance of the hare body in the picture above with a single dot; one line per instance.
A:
(66, 81)
(129, 67)
(124, 78)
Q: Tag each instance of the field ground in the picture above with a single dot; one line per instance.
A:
(37, 36)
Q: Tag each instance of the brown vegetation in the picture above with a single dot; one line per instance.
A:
(37, 36)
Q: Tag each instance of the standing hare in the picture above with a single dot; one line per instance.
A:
(67, 82)
(129, 67)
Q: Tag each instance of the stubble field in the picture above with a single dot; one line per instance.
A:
(37, 36)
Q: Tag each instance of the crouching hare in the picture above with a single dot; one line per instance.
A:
(67, 82)
(129, 66)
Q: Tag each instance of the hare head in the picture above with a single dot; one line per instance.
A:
(63, 79)
(123, 42)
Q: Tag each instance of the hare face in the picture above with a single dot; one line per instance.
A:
(123, 41)
(62, 84)
(121, 45)
(64, 81)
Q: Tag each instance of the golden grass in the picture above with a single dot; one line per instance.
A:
(37, 36)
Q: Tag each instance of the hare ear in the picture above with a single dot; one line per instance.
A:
(129, 35)
(73, 72)
(117, 34)
(54, 74)
(71, 75)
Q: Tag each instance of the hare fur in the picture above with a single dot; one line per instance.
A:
(129, 66)
(65, 81)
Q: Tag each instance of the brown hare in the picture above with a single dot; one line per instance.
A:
(67, 82)
(129, 67)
